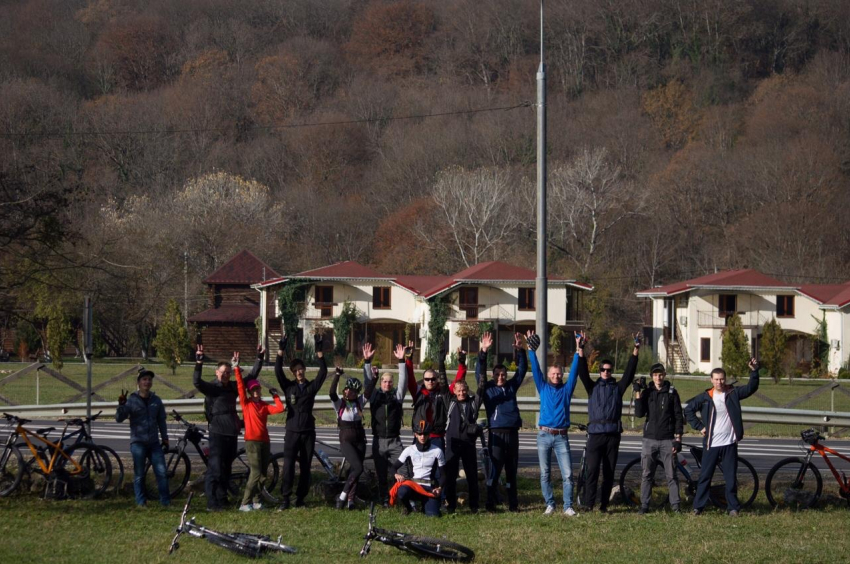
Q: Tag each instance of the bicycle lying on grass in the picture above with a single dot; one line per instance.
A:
(81, 470)
(688, 476)
(796, 482)
(420, 546)
(241, 543)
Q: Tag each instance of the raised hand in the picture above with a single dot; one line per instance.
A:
(274, 391)
(199, 354)
(399, 351)
(486, 341)
(753, 364)
(261, 352)
(319, 342)
(122, 399)
(637, 340)
(461, 356)
(408, 350)
(533, 340)
(375, 372)
(339, 371)
(444, 348)
(368, 352)
(235, 360)
(517, 341)
(282, 342)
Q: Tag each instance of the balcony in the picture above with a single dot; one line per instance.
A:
(322, 310)
(481, 312)
(716, 319)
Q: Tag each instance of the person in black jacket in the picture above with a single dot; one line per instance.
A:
(386, 406)
(604, 410)
(224, 429)
(462, 431)
(662, 434)
(722, 427)
(300, 439)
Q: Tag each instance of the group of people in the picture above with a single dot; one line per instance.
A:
(423, 476)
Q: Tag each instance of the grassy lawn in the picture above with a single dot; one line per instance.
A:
(113, 530)
(42, 388)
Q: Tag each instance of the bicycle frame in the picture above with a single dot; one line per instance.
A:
(22, 432)
(823, 451)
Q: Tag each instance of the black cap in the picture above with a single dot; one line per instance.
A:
(144, 372)
(657, 367)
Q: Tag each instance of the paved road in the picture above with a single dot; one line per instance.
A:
(762, 453)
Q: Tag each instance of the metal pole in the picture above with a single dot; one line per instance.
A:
(87, 351)
(541, 283)
(186, 289)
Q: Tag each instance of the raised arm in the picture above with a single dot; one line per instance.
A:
(533, 342)
(752, 384)
(240, 383)
(481, 363)
(461, 369)
(201, 385)
(408, 364)
(402, 372)
(316, 384)
(278, 406)
(441, 370)
(258, 364)
(369, 380)
(122, 412)
(584, 373)
(631, 368)
(521, 365)
(278, 363)
(334, 394)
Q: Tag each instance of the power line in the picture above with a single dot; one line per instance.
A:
(271, 127)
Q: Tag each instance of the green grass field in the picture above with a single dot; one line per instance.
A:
(113, 530)
(39, 387)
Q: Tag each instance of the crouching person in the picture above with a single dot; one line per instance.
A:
(422, 460)
(256, 413)
(147, 424)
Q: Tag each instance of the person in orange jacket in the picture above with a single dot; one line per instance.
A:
(255, 412)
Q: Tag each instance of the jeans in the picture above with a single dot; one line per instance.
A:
(430, 505)
(141, 454)
(219, 467)
(384, 453)
(548, 443)
(654, 453)
(727, 456)
(259, 454)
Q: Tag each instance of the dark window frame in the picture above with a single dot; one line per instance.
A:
(784, 310)
(723, 305)
(705, 352)
(327, 311)
(530, 304)
(378, 301)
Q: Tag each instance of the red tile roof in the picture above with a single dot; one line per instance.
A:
(835, 295)
(418, 284)
(228, 314)
(347, 269)
(494, 271)
(748, 278)
(244, 268)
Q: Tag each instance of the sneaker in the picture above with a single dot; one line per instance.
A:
(257, 506)
(570, 512)
(643, 510)
(284, 505)
(550, 509)
(697, 512)
(675, 509)
(340, 503)
(351, 505)
(733, 513)
(245, 508)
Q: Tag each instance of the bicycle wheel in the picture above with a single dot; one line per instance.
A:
(630, 481)
(94, 474)
(117, 470)
(232, 544)
(11, 470)
(793, 483)
(178, 469)
(580, 480)
(267, 490)
(437, 548)
(747, 484)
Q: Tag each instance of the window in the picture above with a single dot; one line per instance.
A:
(784, 306)
(324, 300)
(705, 350)
(526, 299)
(468, 302)
(727, 305)
(381, 297)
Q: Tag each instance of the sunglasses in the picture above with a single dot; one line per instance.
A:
(606, 370)
(429, 379)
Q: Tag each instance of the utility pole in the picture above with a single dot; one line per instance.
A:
(541, 287)
(87, 352)
(186, 289)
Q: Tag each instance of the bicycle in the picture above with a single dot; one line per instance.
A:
(83, 436)
(420, 546)
(178, 466)
(82, 470)
(632, 476)
(485, 466)
(580, 478)
(796, 482)
(243, 544)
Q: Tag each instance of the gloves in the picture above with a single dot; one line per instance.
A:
(122, 399)
(339, 371)
(284, 340)
(461, 357)
(319, 341)
(274, 392)
(677, 447)
(444, 348)
(261, 352)
(408, 352)
(533, 342)
(639, 385)
(164, 445)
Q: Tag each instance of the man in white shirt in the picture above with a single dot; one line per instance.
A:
(722, 427)
(422, 460)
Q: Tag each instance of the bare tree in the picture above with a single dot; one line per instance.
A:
(474, 205)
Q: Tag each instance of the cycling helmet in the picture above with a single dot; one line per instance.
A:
(354, 385)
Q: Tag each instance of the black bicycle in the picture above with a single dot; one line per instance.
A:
(580, 478)
(420, 546)
(244, 544)
(178, 466)
(83, 436)
(688, 476)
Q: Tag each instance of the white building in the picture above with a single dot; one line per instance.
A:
(688, 318)
(391, 307)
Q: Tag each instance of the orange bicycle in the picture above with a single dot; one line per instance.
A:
(796, 483)
(81, 470)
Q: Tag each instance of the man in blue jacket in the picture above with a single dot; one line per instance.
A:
(554, 424)
(503, 419)
(147, 424)
(722, 427)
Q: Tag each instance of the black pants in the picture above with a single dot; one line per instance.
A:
(219, 466)
(385, 451)
(352, 443)
(602, 450)
(297, 447)
(727, 456)
(504, 453)
(461, 452)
